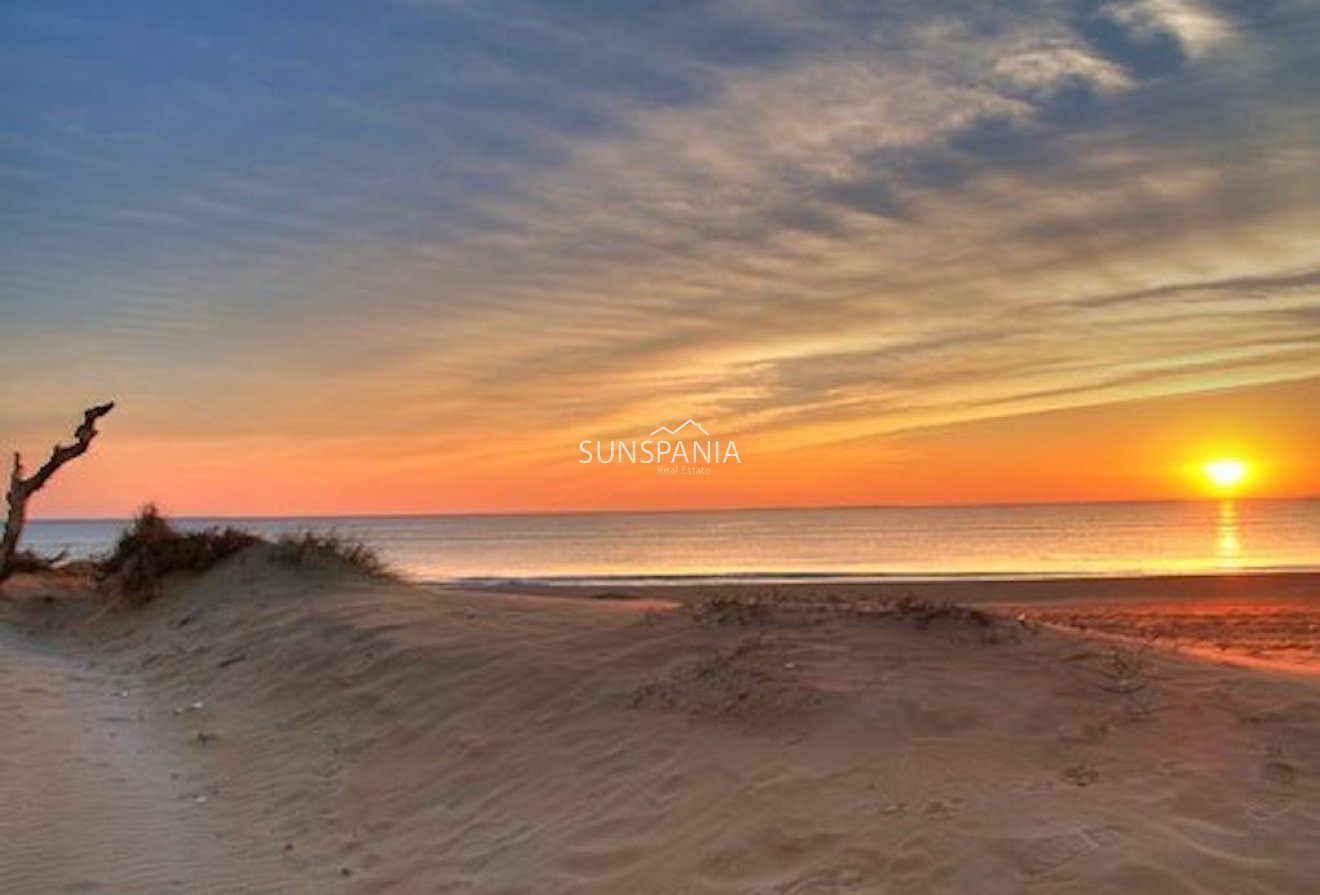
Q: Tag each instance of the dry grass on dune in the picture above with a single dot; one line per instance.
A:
(309, 547)
(784, 606)
(151, 550)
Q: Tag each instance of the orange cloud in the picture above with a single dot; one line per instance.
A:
(1133, 450)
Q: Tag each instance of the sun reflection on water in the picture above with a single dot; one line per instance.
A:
(1228, 545)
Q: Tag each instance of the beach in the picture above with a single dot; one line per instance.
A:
(728, 448)
(273, 729)
(1257, 619)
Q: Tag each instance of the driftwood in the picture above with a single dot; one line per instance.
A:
(22, 488)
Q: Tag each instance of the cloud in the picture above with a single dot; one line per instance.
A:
(813, 221)
(1043, 68)
(1196, 27)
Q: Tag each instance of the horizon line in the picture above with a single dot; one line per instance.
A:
(780, 508)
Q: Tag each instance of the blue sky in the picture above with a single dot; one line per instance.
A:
(820, 222)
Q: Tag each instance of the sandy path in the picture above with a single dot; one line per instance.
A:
(81, 751)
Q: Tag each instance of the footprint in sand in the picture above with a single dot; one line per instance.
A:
(942, 809)
(1081, 774)
(1277, 792)
(1044, 854)
(829, 881)
(596, 862)
(1279, 774)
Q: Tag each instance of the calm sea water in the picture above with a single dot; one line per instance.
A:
(915, 542)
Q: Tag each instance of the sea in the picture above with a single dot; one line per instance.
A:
(889, 543)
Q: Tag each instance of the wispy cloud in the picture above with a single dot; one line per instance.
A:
(815, 221)
(1195, 26)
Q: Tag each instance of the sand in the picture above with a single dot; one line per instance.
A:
(271, 729)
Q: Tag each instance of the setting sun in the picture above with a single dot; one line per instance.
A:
(1226, 473)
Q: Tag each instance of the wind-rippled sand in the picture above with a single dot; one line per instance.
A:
(268, 729)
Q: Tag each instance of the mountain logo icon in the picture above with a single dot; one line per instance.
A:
(686, 423)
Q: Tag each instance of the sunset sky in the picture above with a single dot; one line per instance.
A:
(404, 255)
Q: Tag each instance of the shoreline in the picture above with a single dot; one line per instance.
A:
(858, 545)
(721, 578)
(1260, 620)
(1299, 584)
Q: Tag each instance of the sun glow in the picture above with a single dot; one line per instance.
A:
(1226, 473)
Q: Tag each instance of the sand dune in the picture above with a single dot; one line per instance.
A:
(266, 729)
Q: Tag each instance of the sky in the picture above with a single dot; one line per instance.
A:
(405, 255)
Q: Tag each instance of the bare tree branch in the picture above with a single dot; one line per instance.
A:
(21, 489)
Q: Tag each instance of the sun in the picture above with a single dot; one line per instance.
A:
(1226, 473)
